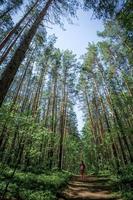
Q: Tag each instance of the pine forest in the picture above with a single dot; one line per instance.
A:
(48, 151)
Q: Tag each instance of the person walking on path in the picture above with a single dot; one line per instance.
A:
(82, 170)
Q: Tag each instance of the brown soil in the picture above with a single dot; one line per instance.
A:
(91, 188)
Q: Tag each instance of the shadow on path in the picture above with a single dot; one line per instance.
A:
(92, 188)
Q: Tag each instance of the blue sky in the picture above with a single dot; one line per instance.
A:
(76, 38)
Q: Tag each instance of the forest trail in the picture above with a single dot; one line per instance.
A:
(92, 188)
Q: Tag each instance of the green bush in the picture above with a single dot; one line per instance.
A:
(127, 174)
(126, 182)
(128, 195)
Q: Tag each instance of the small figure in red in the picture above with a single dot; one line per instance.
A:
(82, 170)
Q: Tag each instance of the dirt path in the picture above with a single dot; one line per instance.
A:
(91, 188)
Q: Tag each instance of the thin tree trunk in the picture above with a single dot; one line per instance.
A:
(21, 82)
(61, 139)
(6, 12)
(62, 119)
(4, 55)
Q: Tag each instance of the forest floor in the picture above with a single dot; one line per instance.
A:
(91, 188)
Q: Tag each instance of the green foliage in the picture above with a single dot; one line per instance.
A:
(121, 183)
(31, 195)
(127, 174)
(104, 9)
(32, 186)
(72, 157)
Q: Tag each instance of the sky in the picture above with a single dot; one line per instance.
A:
(76, 37)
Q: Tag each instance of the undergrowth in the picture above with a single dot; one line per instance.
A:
(121, 181)
(31, 186)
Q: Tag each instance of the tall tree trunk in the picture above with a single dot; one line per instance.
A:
(53, 118)
(62, 118)
(12, 67)
(9, 35)
(61, 138)
(117, 119)
(38, 92)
